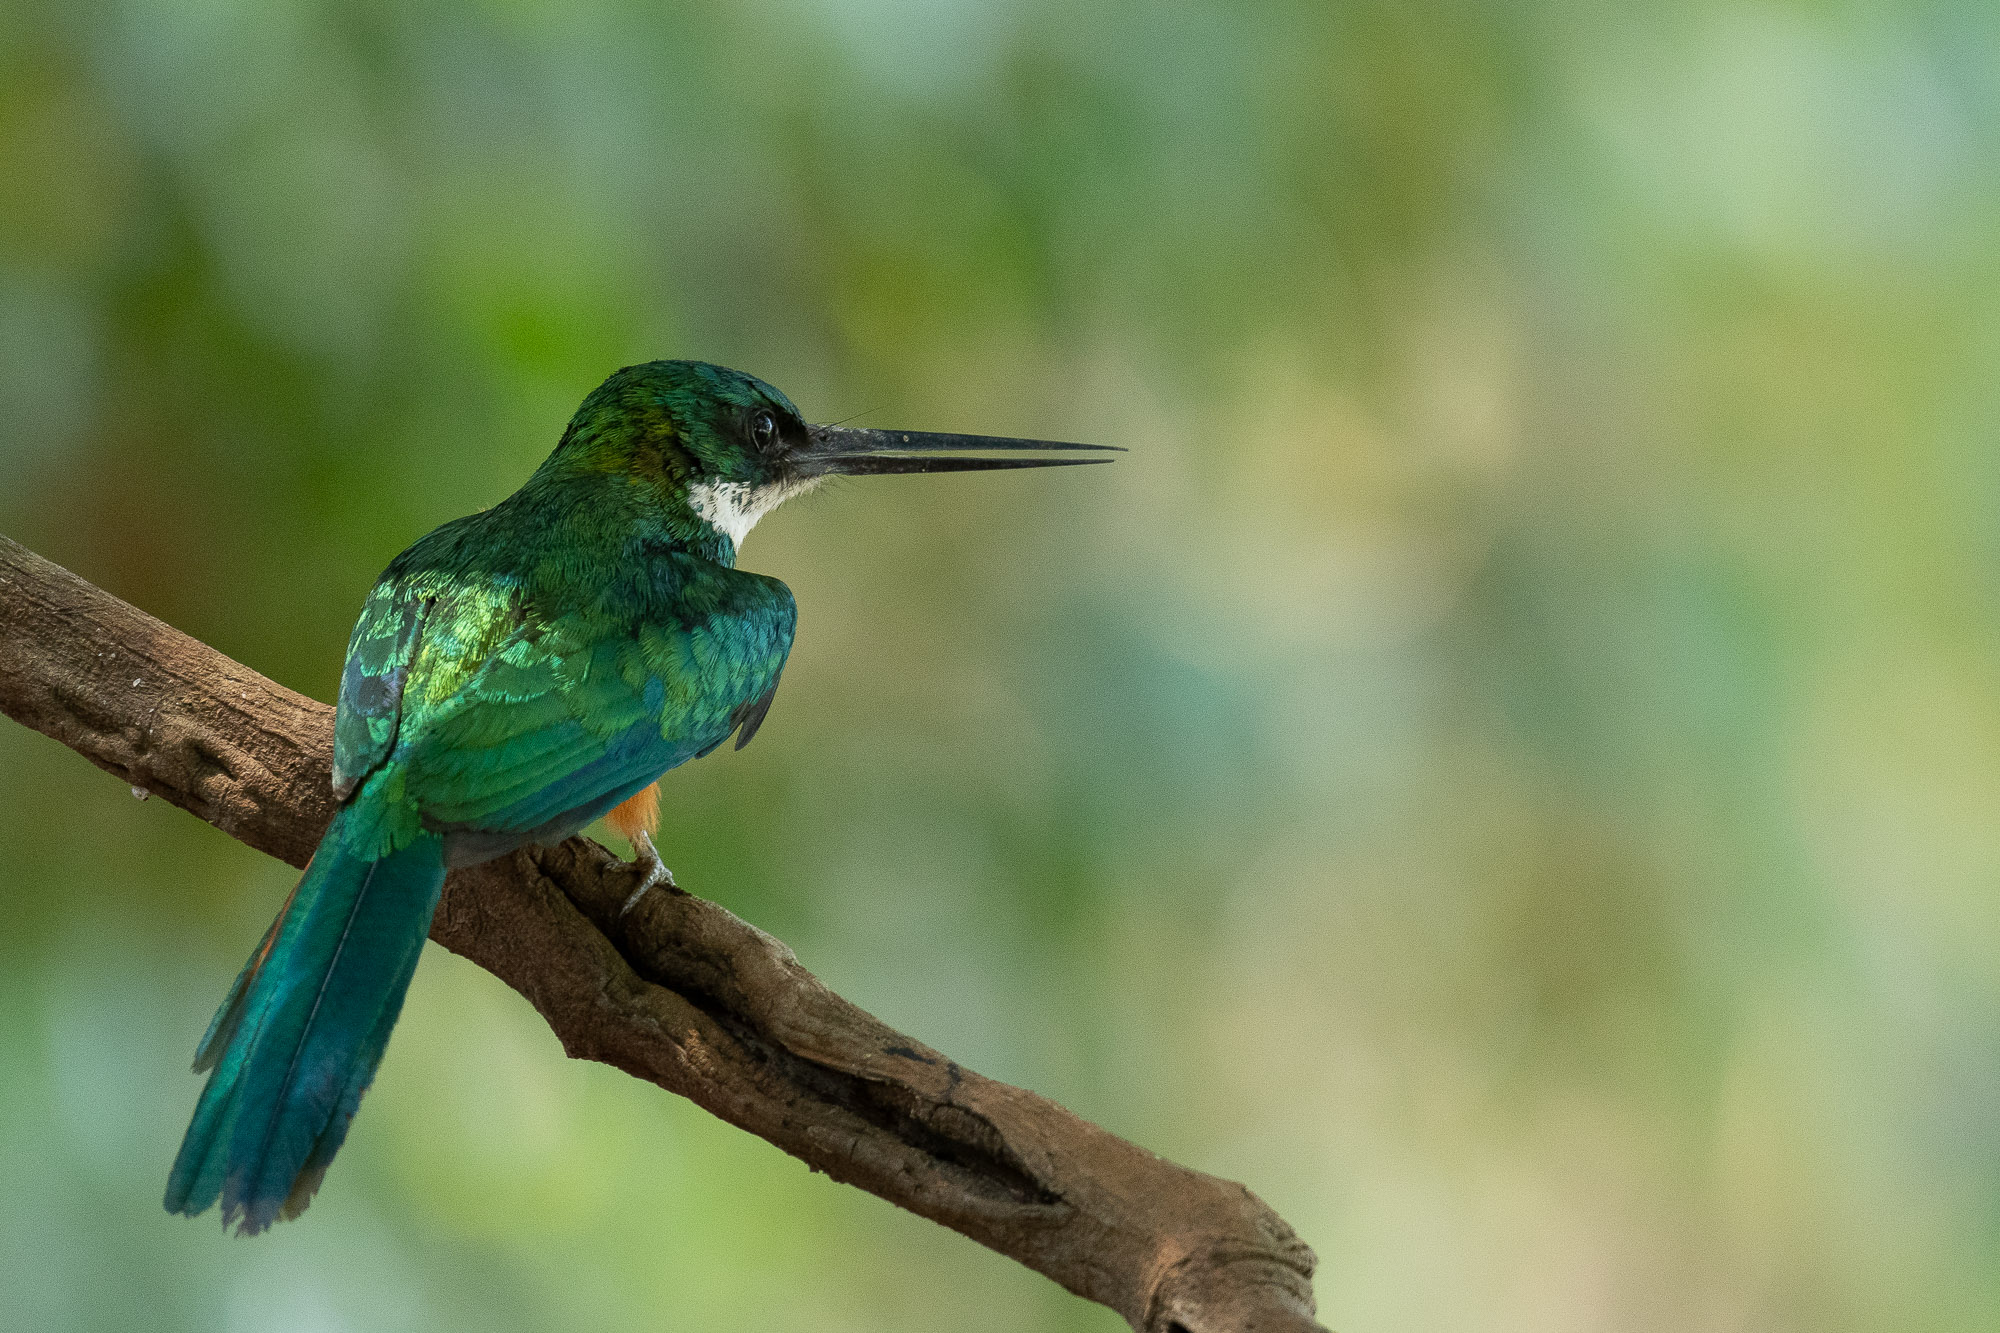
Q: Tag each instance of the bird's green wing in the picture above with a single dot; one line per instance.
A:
(750, 716)
(535, 718)
(379, 653)
(490, 714)
(575, 711)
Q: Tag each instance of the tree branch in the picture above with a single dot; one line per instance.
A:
(681, 993)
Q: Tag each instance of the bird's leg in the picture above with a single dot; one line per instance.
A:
(647, 857)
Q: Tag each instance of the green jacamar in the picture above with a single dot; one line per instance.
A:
(516, 674)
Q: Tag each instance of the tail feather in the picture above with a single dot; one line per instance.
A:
(222, 1028)
(313, 1170)
(297, 1041)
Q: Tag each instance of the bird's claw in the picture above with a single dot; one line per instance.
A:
(647, 857)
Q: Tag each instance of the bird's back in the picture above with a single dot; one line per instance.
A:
(514, 671)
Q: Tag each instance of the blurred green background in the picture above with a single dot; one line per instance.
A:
(1506, 766)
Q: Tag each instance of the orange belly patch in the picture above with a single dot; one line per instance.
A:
(639, 814)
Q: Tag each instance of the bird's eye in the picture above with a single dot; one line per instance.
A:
(763, 430)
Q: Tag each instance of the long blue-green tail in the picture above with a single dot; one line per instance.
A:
(297, 1041)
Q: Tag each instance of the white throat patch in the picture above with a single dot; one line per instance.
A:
(732, 508)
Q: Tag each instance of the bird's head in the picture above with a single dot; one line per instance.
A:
(727, 448)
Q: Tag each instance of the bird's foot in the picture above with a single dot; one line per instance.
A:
(646, 857)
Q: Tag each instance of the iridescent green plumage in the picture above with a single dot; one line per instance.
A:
(514, 675)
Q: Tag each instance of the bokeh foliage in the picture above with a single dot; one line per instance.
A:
(1507, 766)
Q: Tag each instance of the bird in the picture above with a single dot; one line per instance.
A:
(514, 675)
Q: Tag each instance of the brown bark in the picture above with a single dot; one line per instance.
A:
(681, 993)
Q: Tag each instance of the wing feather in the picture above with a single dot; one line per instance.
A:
(505, 718)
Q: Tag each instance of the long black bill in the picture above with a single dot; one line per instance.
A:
(848, 452)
